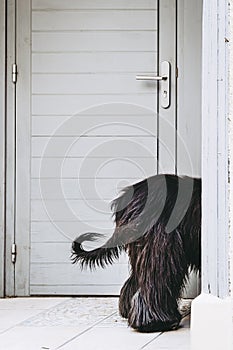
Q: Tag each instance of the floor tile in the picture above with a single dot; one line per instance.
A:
(174, 340)
(37, 338)
(29, 303)
(11, 318)
(110, 339)
(75, 312)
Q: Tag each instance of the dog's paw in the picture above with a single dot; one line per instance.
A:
(143, 319)
(157, 326)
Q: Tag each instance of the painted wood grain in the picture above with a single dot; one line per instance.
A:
(83, 84)
(92, 4)
(98, 62)
(71, 104)
(110, 147)
(94, 20)
(97, 167)
(94, 41)
(96, 188)
(96, 125)
(42, 274)
(65, 231)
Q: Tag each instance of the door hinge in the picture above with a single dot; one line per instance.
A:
(13, 253)
(14, 73)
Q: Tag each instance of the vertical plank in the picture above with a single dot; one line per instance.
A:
(2, 145)
(10, 150)
(23, 127)
(209, 149)
(189, 56)
(167, 117)
(214, 151)
(229, 36)
(222, 129)
(189, 64)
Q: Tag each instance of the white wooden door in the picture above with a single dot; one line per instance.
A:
(87, 128)
(94, 127)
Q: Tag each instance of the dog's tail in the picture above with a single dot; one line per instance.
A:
(104, 255)
(126, 209)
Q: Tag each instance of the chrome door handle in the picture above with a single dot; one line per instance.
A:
(150, 77)
(165, 86)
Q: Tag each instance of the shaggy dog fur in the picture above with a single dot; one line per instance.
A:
(158, 223)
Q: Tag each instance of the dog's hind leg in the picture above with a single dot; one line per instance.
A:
(127, 292)
(161, 270)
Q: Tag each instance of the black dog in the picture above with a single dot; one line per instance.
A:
(158, 223)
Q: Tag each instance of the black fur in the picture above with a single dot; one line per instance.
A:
(158, 223)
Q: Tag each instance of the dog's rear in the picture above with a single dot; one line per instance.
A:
(158, 223)
(136, 211)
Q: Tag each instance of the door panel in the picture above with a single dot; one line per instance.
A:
(94, 128)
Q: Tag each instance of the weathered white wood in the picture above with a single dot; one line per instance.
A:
(98, 62)
(68, 104)
(23, 116)
(93, 4)
(64, 231)
(83, 41)
(50, 253)
(223, 165)
(214, 152)
(74, 289)
(95, 210)
(125, 147)
(83, 84)
(167, 117)
(189, 63)
(10, 147)
(2, 146)
(104, 110)
(43, 274)
(123, 125)
(73, 188)
(189, 49)
(89, 167)
(93, 20)
(230, 140)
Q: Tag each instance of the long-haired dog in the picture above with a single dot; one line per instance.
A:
(158, 223)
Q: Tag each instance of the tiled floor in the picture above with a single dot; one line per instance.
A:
(77, 324)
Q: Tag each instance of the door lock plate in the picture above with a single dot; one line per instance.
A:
(165, 85)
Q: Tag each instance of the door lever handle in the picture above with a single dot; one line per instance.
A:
(164, 86)
(151, 77)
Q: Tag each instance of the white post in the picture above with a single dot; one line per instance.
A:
(211, 317)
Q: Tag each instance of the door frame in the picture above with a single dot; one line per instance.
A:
(15, 279)
(2, 145)
(23, 148)
(215, 241)
(215, 104)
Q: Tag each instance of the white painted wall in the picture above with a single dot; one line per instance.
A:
(230, 142)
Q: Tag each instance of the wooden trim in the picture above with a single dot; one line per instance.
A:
(23, 127)
(167, 118)
(189, 63)
(10, 150)
(214, 151)
(2, 146)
